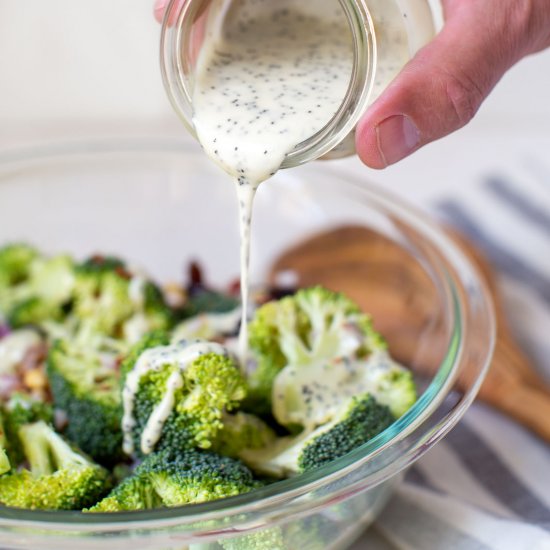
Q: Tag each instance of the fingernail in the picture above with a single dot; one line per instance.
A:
(397, 137)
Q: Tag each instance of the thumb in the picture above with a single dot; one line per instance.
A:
(441, 88)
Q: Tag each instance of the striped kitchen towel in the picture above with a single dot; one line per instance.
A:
(487, 485)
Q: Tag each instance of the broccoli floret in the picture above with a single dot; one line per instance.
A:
(155, 309)
(102, 295)
(33, 311)
(117, 302)
(4, 459)
(15, 266)
(264, 343)
(314, 334)
(390, 383)
(24, 409)
(207, 301)
(317, 529)
(208, 326)
(175, 396)
(242, 431)
(267, 539)
(133, 493)
(85, 384)
(195, 476)
(174, 479)
(60, 478)
(358, 421)
(154, 339)
(19, 410)
(37, 289)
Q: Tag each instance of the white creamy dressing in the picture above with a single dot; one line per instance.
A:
(296, 397)
(136, 327)
(179, 355)
(15, 346)
(207, 326)
(269, 76)
(393, 50)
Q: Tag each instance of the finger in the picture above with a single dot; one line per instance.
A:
(442, 88)
(159, 9)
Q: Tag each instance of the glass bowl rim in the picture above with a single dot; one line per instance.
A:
(253, 501)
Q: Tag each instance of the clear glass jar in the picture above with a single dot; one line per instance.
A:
(385, 35)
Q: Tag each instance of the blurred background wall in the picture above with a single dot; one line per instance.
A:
(74, 68)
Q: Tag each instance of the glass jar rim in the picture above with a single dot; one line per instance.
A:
(269, 497)
(177, 24)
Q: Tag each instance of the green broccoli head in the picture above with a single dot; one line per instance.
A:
(175, 396)
(33, 311)
(154, 339)
(5, 464)
(303, 342)
(264, 343)
(15, 265)
(203, 300)
(267, 539)
(357, 421)
(194, 476)
(316, 529)
(390, 383)
(22, 409)
(117, 302)
(19, 410)
(133, 493)
(174, 479)
(4, 461)
(85, 384)
(60, 478)
(102, 294)
(37, 288)
(241, 432)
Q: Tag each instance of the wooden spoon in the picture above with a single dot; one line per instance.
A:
(386, 281)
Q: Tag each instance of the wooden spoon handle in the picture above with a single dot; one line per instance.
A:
(528, 405)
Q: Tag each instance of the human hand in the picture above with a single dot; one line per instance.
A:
(443, 86)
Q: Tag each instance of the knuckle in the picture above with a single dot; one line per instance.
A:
(463, 95)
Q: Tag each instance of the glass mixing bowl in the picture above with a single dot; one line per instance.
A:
(162, 204)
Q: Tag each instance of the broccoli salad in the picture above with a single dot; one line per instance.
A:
(118, 395)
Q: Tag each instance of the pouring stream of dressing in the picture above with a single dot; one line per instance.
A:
(269, 75)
